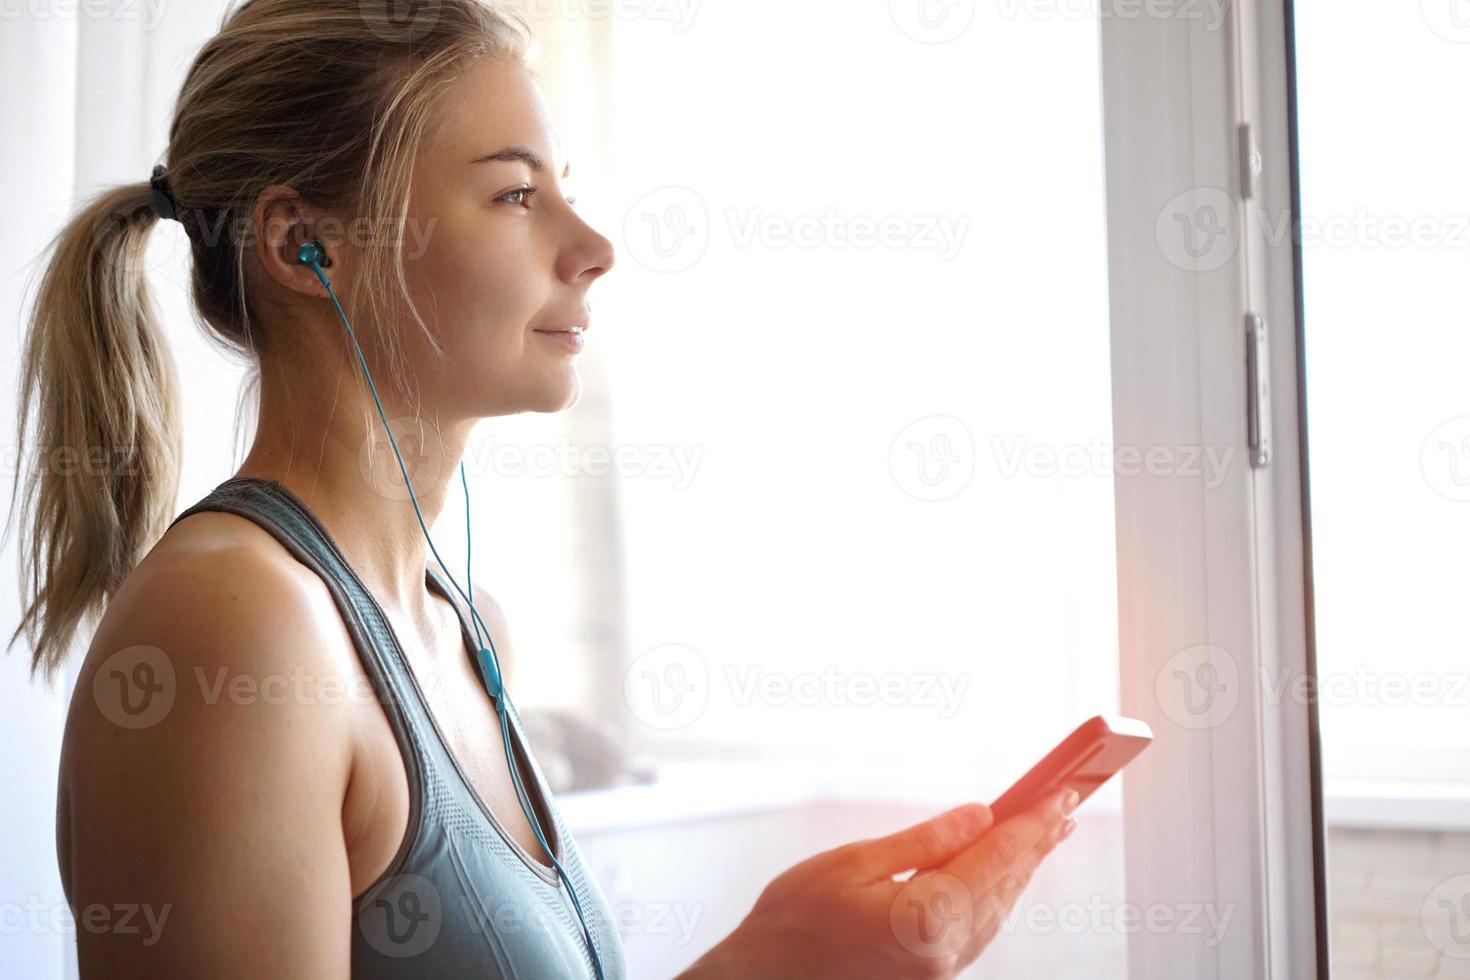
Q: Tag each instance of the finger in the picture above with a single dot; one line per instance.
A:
(938, 916)
(1001, 898)
(923, 845)
(935, 914)
(1053, 837)
(1058, 835)
(982, 865)
(993, 908)
(987, 927)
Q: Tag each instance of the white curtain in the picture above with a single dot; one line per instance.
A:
(86, 105)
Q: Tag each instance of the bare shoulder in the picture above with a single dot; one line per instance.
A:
(207, 751)
(218, 594)
(214, 551)
(494, 616)
(490, 610)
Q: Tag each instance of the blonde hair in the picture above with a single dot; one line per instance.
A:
(329, 97)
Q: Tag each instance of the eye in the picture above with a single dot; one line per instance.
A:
(523, 201)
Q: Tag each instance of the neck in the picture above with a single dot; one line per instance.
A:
(325, 442)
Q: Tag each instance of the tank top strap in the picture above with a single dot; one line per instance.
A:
(456, 857)
(538, 786)
(438, 780)
(275, 509)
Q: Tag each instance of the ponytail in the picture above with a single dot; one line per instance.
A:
(97, 427)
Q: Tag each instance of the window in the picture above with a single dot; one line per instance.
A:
(858, 353)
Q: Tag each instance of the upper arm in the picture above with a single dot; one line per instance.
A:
(204, 768)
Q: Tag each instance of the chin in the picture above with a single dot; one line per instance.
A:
(548, 399)
(559, 398)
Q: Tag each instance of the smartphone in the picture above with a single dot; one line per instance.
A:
(1084, 760)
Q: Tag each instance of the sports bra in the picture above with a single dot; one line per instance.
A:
(462, 897)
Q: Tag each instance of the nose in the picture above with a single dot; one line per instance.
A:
(588, 258)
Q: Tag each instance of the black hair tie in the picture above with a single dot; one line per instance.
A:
(163, 194)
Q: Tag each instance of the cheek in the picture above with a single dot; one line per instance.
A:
(482, 292)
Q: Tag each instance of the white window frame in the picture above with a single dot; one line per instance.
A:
(1229, 814)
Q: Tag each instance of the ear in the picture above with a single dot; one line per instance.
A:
(282, 221)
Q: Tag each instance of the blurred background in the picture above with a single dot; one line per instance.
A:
(829, 543)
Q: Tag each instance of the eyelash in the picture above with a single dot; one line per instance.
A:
(529, 192)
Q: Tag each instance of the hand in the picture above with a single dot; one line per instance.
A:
(841, 914)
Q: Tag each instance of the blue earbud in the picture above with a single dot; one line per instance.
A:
(314, 254)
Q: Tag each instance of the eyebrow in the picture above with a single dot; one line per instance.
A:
(522, 154)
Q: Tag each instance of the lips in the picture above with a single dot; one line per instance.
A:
(566, 326)
(572, 340)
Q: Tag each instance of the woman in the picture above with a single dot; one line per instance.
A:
(281, 751)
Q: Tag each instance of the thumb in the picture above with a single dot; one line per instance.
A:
(926, 844)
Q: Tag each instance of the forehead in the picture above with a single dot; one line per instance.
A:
(493, 105)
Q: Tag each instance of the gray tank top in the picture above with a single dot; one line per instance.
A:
(462, 897)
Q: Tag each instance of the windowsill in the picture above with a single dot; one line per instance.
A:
(1397, 805)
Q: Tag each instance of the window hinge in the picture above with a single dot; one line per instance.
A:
(1250, 161)
(1258, 390)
